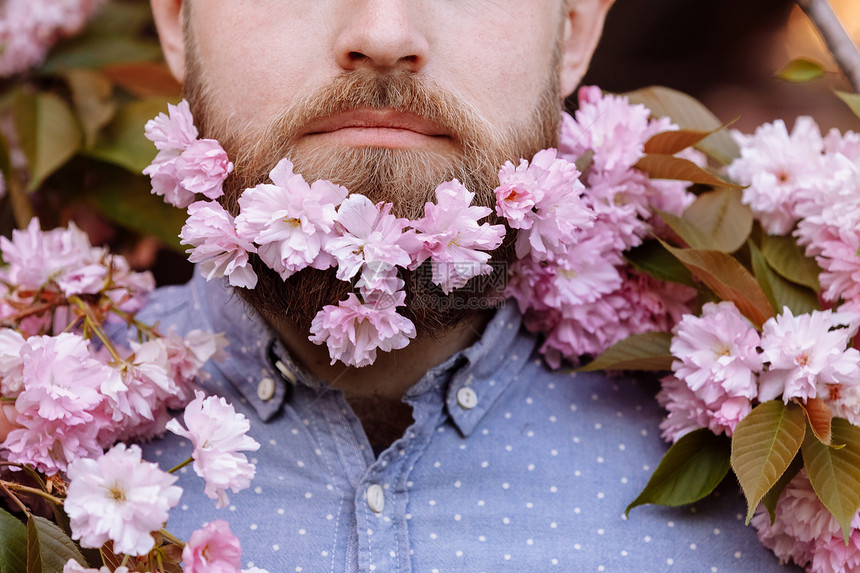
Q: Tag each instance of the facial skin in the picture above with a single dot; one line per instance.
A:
(388, 97)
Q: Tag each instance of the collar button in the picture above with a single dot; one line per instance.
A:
(266, 389)
(467, 398)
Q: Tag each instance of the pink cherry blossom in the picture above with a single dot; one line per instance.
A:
(354, 330)
(807, 355)
(218, 434)
(717, 353)
(11, 363)
(369, 240)
(28, 29)
(686, 411)
(289, 220)
(73, 566)
(58, 408)
(119, 497)
(165, 179)
(186, 357)
(203, 167)
(542, 199)
(776, 167)
(213, 549)
(452, 238)
(610, 126)
(174, 130)
(216, 246)
(34, 256)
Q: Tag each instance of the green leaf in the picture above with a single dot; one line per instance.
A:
(127, 199)
(835, 473)
(692, 235)
(721, 215)
(123, 142)
(659, 166)
(653, 259)
(91, 94)
(13, 544)
(820, 418)
(780, 292)
(690, 470)
(689, 114)
(852, 100)
(647, 351)
(724, 275)
(763, 446)
(801, 70)
(48, 133)
(789, 260)
(96, 52)
(48, 547)
(771, 498)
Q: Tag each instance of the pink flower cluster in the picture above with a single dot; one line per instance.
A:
(809, 185)
(805, 532)
(723, 367)
(72, 397)
(291, 225)
(572, 282)
(185, 165)
(28, 29)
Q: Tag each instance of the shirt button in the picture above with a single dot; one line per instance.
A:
(376, 498)
(266, 389)
(466, 398)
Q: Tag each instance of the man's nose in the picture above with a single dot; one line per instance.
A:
(382, 34)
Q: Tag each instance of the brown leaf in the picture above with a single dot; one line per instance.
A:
(729, 280)
(820, 417)
(723, 217)
(144, 79)
(671, 142)
(661, 166)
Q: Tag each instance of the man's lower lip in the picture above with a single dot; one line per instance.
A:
(379, 137)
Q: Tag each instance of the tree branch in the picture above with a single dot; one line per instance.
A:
(838, 41)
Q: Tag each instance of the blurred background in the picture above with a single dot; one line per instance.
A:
(79, 79)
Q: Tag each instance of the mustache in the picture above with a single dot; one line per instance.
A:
(397, 90)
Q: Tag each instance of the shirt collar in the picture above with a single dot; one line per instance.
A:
(262, 371)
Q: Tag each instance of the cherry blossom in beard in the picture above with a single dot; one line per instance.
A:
(716, 354)
(806, 354)
(370, 241)
(119, 497)
(847, 144)
(542, 199)
(203, 167)
(354, 330)
(218, 434)
(776, 167)
(213, 549)
(217, 248)
(289, 220)
(452, 239)
(613, 128)
(174, 130)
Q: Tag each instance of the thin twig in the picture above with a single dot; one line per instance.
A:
(838, 41)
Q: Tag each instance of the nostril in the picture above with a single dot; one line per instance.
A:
(357, 57)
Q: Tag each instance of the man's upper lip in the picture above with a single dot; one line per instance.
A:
(374, 118)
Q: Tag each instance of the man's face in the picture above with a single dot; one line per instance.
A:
(387, 97)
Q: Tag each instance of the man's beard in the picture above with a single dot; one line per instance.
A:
(407, 178)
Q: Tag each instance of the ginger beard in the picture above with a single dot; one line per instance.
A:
(407, 178)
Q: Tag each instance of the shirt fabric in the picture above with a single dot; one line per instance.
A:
(508, 466)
